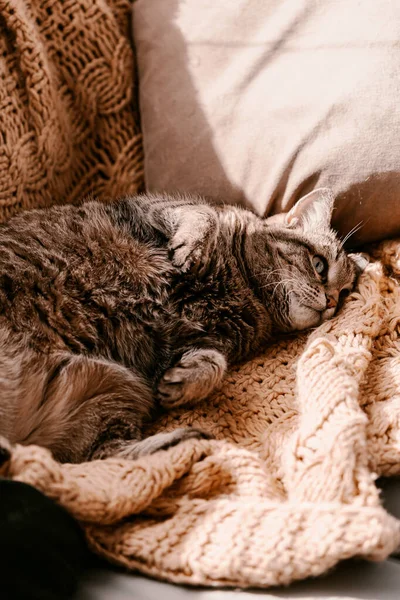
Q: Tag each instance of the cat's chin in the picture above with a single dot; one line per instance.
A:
(306, 317)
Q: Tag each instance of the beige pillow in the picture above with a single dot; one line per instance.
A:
(260, 101)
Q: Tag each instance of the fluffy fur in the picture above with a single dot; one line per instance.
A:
(109, 311)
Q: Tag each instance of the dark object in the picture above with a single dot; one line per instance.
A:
(42, 548)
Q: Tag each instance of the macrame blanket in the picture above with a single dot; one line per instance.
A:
(287, 488)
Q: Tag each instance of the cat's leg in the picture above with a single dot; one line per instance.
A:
(190, 225)
(197, 374)
(83, 408)
(154, 443)
(194, 237)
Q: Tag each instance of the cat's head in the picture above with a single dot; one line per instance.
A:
(311, 273)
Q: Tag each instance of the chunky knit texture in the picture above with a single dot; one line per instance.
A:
(69, 123)
(288, 487)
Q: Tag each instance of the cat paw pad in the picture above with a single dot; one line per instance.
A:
(178, 386)
(184, 252)
(196, 376)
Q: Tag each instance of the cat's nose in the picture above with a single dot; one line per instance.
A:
(332, 299)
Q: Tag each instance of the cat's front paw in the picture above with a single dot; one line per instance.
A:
(192, 241)
(179, 386)
(195, 377)
(185, 250)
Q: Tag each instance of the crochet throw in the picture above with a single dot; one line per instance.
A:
(287, 488)
(69, 123)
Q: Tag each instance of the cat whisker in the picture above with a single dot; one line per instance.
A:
(269, 273)
(352, 232)
(276, 283)
(300, 289)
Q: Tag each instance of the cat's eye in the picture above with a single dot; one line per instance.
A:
(320, 265)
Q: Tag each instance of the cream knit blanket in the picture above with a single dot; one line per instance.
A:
(287, 489)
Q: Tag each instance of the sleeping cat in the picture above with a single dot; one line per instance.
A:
(108, 311)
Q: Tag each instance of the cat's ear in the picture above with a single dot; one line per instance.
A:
(312, 212)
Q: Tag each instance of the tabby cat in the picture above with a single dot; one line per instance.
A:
(110, 311)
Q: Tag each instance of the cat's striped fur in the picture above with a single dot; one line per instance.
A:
(108, 311)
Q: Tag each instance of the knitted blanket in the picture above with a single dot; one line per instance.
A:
(69, 122)
(287, 488)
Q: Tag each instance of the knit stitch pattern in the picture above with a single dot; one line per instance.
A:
(69, 124)
(287, 488)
